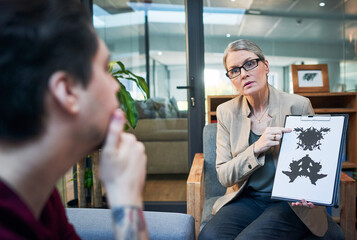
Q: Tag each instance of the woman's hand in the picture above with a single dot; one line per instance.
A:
(304, 203)
(270, 137)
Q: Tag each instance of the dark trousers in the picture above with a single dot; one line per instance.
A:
(255, 216)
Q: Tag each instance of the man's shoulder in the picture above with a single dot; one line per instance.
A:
(13, 210)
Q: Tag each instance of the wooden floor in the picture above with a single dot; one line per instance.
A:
(158, 187)
(162, 187)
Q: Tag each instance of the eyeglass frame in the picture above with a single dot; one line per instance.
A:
(255, 59)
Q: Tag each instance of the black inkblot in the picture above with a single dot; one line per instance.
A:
(310, 138)
(309, 76)
(305, 167)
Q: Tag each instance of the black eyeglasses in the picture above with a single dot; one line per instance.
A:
(247, 66)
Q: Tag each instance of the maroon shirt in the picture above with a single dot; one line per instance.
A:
(18, 222)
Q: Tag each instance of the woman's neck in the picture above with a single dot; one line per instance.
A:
(260, 101)
(259, 105)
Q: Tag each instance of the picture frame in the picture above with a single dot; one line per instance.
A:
(310, 78)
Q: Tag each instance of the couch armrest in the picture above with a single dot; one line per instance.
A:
(348, 206)
(195, 190)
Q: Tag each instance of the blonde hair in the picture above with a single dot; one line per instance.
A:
(242, 44)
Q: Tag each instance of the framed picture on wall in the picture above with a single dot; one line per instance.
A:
(310, 78)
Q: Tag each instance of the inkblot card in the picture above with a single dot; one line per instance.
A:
(310, 159)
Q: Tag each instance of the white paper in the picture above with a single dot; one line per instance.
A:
(324, 152)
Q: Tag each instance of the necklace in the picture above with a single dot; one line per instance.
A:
(259, 119)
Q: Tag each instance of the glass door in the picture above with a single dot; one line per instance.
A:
(149, 38)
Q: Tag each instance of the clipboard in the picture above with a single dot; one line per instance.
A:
(310, 159)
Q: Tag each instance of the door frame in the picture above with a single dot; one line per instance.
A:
(195, 76)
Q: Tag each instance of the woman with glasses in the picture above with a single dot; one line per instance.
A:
(249, 131)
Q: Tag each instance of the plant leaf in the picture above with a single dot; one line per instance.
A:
(122, 67)
(140, 81)
(124, 97)
(128, 103)
(88, 183)
(141, 84)
(88, 178)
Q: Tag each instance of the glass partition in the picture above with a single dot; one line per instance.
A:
(149, 38)
(289, 32)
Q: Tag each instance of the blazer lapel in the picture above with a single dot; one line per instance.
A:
(240, 127)
(274, 106)
(246, 123)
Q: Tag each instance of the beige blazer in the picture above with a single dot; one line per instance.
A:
(235, 160)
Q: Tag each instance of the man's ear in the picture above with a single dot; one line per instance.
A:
(65, 91)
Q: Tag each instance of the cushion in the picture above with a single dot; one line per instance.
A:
(91, 223)
(174, 105)
(143, 110)
(157, 108)
(215, 190)
(209, 152)
(174, 129)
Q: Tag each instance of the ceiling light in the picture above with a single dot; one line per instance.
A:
(322, 4)
(228, 35)
(159, 53)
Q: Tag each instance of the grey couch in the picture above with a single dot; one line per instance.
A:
(165, 141)
(162, 127)
(91, 223)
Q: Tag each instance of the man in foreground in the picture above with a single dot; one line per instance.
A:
(58, 103)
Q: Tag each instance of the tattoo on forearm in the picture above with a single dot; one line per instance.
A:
(129, 222)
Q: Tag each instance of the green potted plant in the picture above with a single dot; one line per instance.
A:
(124, 97)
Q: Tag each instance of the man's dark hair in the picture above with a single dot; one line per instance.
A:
(38, 38)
